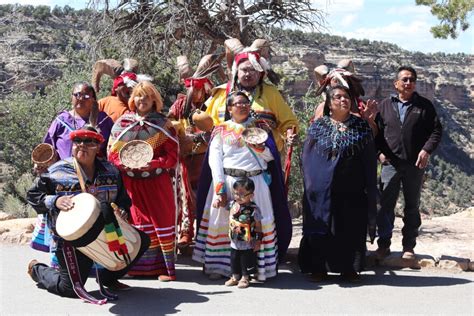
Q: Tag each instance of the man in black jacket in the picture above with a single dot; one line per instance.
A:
(409, 133)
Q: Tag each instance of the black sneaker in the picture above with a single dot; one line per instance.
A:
(118, 286)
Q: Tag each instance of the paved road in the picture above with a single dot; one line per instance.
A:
(381, 292)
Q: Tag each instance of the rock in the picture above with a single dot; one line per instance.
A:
(471, 265)
(17, 231)
(22, 224)
(396, 261)
(451, 263)
(427, 263)
(4, 230)
(5, 216)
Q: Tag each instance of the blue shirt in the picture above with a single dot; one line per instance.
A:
(402, 108)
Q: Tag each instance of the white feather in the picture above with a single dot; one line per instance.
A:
(255, 64)
(337, 75)
(265, 64)
(143, 77)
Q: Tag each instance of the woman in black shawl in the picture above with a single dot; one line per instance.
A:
(339, 203)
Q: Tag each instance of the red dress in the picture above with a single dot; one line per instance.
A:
(151, 190)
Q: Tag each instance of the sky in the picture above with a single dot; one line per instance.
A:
(399, 22)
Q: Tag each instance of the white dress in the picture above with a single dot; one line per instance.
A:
(228, 150)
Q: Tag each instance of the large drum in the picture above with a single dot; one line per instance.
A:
(83, 227)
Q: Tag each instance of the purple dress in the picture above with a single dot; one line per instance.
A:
(65, 123)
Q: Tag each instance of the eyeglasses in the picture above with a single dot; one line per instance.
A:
(338, 97)
(80, 96)
(241, 104)
(90, 142)
(237, 195)
(408, 79)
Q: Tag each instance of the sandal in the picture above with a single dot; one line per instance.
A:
(243, 284)
(231, 282)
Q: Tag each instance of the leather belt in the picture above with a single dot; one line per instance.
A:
(144, 174)
(241, 173)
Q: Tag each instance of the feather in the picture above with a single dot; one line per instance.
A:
(262, 46)
(273, 77)
(184, 69)
(321, 72)
(265, 64)
(255, 64)
(232, 47)
(104, 66)
(346, 64)
(94, 114)
(323, 84)
(130, 65)
(337, 75)
(143, 77)
(208, 65)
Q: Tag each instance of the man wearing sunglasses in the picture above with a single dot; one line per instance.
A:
(52, 194)
(410, 131)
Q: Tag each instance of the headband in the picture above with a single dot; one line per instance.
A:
(241, 56)
(84, 133)
(196, 82)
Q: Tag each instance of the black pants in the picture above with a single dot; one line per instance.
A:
(410, 179)
(58, 281)
(243, 262)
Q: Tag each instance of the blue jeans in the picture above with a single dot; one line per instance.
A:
(410, 178)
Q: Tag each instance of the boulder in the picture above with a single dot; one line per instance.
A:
(452, 263)
(5, 216)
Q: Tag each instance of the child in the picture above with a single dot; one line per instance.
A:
(245, 232)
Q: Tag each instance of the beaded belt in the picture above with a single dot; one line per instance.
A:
(144, 174)
(241, 173)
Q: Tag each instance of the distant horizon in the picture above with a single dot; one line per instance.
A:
(398, 22)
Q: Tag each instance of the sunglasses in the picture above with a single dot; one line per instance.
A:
(407, 79)
(79, 96)
(86, 141)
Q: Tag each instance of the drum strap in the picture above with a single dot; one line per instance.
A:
(75, 276)
(116, 243)
(80, 176)
(103, 291)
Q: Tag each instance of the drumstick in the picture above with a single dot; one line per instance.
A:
(120, 212)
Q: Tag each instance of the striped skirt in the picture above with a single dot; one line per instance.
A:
(212, 246)
(159, 258)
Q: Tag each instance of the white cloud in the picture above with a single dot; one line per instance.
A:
(347, 20)
(409, 9)
(335, 7)
(26, 2)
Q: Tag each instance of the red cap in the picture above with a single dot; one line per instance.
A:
(84, 133)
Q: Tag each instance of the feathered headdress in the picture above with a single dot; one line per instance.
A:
(208, 65)
(258, 54)
(344, 74)
(121, 73)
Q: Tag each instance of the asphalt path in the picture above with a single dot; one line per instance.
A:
(427, 292)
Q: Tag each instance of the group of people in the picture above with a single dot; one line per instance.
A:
(233, 188)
